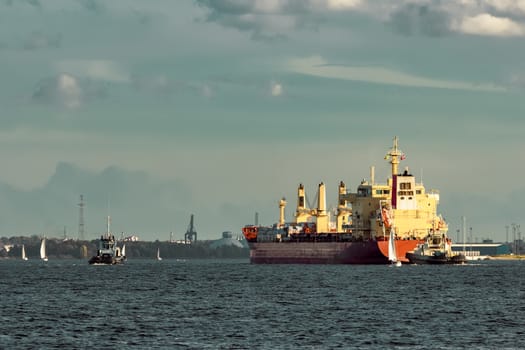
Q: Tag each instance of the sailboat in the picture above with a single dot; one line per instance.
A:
(158, 254)
(24, 257)
(43, 254)
(123, 251)
(392, 254)
(387, 222)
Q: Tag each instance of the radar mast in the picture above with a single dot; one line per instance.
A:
(395, 155)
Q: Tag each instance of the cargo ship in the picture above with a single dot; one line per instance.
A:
(359, 233)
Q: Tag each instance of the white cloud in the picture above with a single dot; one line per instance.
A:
(95, 69)
(69, 90)
(267, 5)
(279, 18)
(342, 4)
(276, 89)
(317, 66)
(63, 90)
(486, 24)
(507, 5)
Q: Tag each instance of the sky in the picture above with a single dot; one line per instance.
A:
(157, 110)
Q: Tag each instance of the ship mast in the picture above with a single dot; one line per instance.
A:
(108, 224)
(394, 155)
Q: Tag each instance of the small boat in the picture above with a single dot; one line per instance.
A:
(43, 254)
(392, 255)
(158, 254)
(436, 250)
(108, 252)
(24, 257)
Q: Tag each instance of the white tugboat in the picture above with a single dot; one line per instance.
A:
(436, 250)
(108, 252)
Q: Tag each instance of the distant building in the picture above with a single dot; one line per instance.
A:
(131, 239)
(481, 249)
(226, 240)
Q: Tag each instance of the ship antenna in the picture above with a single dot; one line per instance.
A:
(81, 225)
(394, 155)
(108, 220)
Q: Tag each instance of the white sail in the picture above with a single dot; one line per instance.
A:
(392, 254)
(392, 247)
(43, 254)
(123, 252)
(24, 257)
(158, 254)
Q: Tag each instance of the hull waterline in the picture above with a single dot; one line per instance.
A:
(366, 252)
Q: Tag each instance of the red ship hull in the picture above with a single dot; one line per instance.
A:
(365, 252)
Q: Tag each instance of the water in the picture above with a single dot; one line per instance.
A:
(230, 304)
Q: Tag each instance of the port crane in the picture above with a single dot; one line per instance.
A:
(191, 235)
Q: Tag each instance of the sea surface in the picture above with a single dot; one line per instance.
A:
(231, 304)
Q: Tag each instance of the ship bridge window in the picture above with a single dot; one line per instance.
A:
(418, 191)
(405, 193)
(362, 192)
(386, 191)
(405, 185)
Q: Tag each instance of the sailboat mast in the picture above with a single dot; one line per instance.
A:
(464, 228)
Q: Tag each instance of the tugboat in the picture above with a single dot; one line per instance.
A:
(108, 253)
(437, 250)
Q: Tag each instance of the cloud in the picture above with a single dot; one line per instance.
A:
(270, 20)
(92, 5)
(317, 66)
(488, 25)
(420, 19)
(157, 84)
(67, 91)
(63, 90)
(34, 3)
(342, 4)
(278, 19)
(507, 6)
(105, 70)
(207, 91)
(39, 40)
(517, 81)
(127, 192)
(276, 89)
(162, 85)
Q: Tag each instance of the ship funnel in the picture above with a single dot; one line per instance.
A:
(342, 193)
(321, 216)
(300, 197)
(282, 205)
(321, 204)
